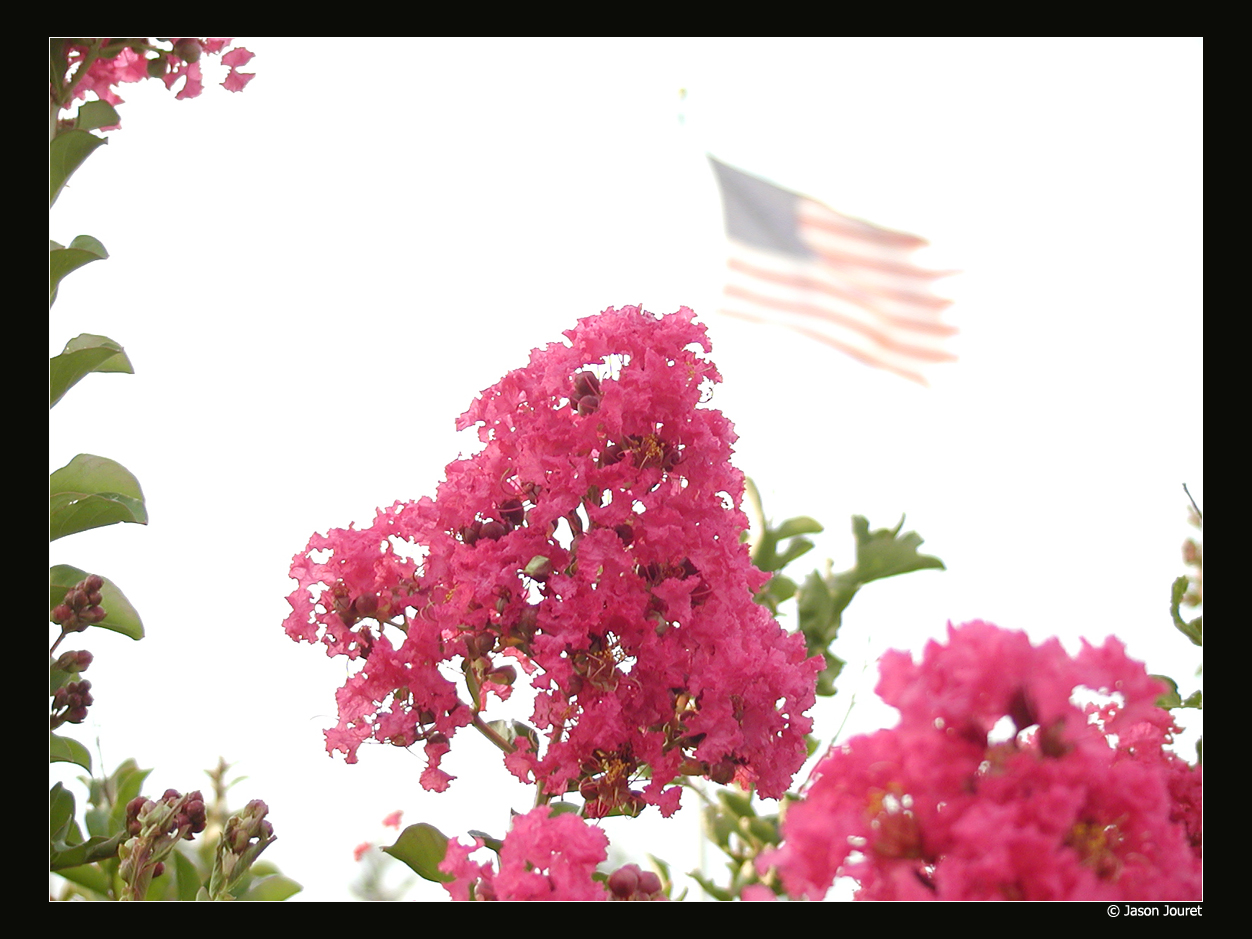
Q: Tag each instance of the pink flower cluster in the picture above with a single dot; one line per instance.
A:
(181, 64)
(546, 857)
(594, 543)
(998, 784)
(543, 857)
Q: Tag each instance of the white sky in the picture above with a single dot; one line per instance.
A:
(314, 277)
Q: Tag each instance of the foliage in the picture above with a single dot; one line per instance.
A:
(128, 847)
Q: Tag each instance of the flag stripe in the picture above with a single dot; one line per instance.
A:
(842, 281)
(906, 320)
(822, 314)
(874, 361)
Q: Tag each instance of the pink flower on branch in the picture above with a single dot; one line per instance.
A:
(998, 784)
(544, 857)
(594, 542)
(112, 62)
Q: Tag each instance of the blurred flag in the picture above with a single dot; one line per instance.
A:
(836, 279)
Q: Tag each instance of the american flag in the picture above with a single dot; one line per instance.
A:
(836, 279)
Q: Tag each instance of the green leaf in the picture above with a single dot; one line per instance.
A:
(274, 888)
(718, 826)
(60, 812)
(739, 803)
(765, 552)
(819, 616)
(65, 750)
(65, 845)
(826, 678)
(85, 354)
(126, 782)
(188, 876)
(422, 847)
(510, 731)
(90, 492)
(93, 115)
(712, 889)
(1193, 630)
(90, 877)
(88, 852)
(799, 526)
(120, 616)
(883, 553)
(66, 153)
(62, 260)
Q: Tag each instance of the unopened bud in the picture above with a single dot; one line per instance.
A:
(492, 530)
(504, 675)
(586, 383)
(188, 50)
(512, 512)
(649, 882)
(624, 881)
(722, 772)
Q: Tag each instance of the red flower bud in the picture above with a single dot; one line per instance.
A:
(586, 383)
(492, 530)
(649, 883)
(512, 512)
(624, 881)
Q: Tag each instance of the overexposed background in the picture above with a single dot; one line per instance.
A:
(314, 277)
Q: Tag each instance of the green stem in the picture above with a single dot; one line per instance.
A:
(481, 726)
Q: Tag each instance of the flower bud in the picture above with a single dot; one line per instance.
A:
(492, 530)
(624, 881)
(76, 661)
(586, 383)
(157, 67)
(512, 512)
(649, 883)
(188, 50)
(539, 568)
(505, 675)
(722, 772)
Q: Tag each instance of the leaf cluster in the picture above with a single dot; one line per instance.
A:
(822, 597)
(90, 864)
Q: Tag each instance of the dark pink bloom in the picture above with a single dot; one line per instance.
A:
(1062, 801)
(544, 857)
(593, 542)
(105, 74)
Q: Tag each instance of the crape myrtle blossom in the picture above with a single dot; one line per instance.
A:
(138, 59)
(543, 857)
(998, 784)
(594, 544)
(546, 856)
